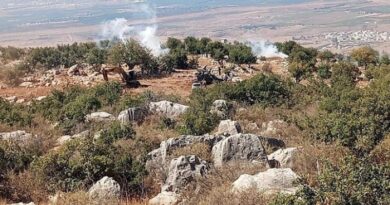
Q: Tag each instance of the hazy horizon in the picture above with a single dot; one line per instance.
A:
(321, 24)
(17, 15)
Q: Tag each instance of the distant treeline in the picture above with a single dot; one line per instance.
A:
(303, 62)
(130, 52)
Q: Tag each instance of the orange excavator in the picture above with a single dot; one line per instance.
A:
(129, 78)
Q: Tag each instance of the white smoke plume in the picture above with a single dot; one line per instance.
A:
(150, 40)
(266, 49)
(116, 29)
(145, 34)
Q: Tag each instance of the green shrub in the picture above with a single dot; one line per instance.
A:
(108, 93)
(198, 122)
(355, 181)
(261, 89)
(14, 157)
(241, 54)
(354, 116)
(80, 163)
(70, 106)
(11, 53)
(14, 114)
(324, 71)
(116, 131)
(80, 107)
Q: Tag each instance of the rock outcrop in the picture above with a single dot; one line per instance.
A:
(273, 144)
(74, 70)
(134, 114)
(220, 108)
(66, 138)
(270, 181)
(40, 98)
(18, 136)
(165, 198)
(229, 127)
(99, 117)
(239, 147)
(157, 158)
(167, 108)
(271, 128)
(284, 157)
(106, 189)
(26, 84)
(182, 171)
(11, 99)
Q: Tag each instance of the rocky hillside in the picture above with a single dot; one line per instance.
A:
(309, 129)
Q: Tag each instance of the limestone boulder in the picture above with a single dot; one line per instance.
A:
(40, 98)
(18, 136)
(134, 114)
(239, 147)
(73, 70)
(106, 189)
(11, 99)
(66, 138)
(183, 170)
(157, 158)
(284, 157)
(26, 84)
(270, 181)
(220, 108)
(99, 117)
(165, 198)
(168, 108)
(229, 127)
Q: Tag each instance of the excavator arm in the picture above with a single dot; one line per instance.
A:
(130, 79)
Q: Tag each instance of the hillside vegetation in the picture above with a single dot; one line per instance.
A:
(340, 126)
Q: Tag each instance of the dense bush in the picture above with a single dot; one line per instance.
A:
(324, 71)
(14, 114)
(11, 53)
(15, 157)
(241, 54)
(69, 107)
(354, 181)
(198, 120)
(354, 116)
(115, 132)
(67, 55)
(262, 89)
(365, 56)
(82, 162)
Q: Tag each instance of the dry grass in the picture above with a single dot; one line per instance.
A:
(81, 198)
(151, 130)
(312, 156)
(215, 188)
(201, 150)
(11, 76)
(76, 198)
(381, 153)
(25, 187)
(255, 114)
(222, 195)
